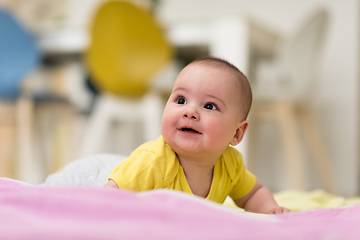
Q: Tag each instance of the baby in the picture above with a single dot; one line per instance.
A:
(205, 113)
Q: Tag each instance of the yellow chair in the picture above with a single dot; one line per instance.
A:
(127, 49)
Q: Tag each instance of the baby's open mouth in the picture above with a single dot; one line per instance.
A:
(190, 130)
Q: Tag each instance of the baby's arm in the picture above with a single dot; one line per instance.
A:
(111, 184)
(260, 200)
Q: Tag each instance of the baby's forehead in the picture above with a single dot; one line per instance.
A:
(220, 80)
(195, 71)
(222, 67)
(228, 75)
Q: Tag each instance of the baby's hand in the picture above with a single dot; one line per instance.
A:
(278, 210)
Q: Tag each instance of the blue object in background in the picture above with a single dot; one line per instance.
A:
(18, 55)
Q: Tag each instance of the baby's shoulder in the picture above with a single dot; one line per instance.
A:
(233, 161)
(232, 155)
(155, 153)
(154, 149)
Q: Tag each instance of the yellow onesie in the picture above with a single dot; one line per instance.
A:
(155, 165)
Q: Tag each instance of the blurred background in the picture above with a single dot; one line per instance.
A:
(83, 77)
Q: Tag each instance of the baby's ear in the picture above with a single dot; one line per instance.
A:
(240, 132)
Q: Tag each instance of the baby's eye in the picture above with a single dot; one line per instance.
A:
(211, 106)
(181, 100)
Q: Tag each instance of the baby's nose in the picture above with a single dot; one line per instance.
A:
(191, 112)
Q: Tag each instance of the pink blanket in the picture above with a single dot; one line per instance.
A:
(34, 212)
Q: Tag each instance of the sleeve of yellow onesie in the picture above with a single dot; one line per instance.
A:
(139, 172)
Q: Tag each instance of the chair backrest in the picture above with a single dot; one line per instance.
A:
(18, 55)
(126, 49)
(303, 53)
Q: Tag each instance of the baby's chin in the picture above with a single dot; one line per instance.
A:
(183, 150)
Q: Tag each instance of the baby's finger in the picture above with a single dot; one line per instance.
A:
(286, 210)
(279, 210)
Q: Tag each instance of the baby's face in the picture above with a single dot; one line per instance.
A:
(203, 111)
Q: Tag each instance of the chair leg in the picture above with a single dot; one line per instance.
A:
(97, 127)
(108, 108)
(318, 150)
(293, 157)
(7, 148)
(260, 111)
(153, 108)
(62, 136)
(27, 168)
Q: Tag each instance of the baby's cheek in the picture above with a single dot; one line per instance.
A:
(167, 124)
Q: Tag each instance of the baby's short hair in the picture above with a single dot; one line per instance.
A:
(244, 83)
